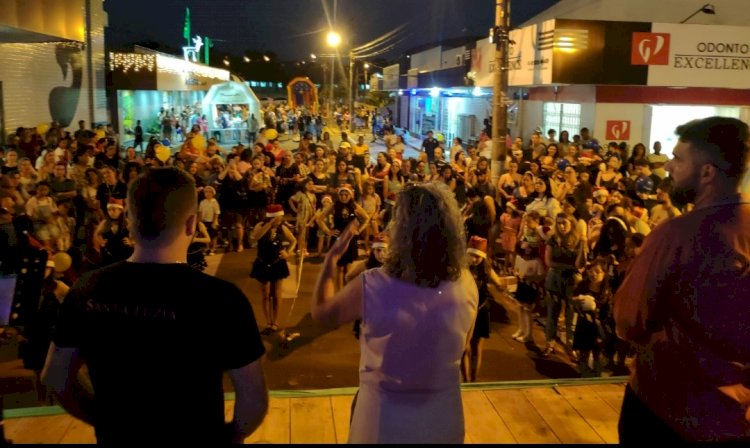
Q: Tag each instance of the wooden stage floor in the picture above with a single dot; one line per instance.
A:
(552, 411)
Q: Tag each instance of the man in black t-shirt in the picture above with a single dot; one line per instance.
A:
(154, 379)
(428, 146)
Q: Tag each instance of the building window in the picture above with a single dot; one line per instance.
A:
(562, 117)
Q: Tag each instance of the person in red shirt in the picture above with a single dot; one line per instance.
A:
(684, 303)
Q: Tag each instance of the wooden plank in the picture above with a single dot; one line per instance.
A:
(483, 423)
(275, 427)
(38, 430)
(597, 413)
(611, 394)
(312, 420)
(524, 422)
(342, 411)
(78, 433)
(562, 418)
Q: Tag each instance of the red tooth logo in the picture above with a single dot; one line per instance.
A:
(618, 130)
(650, 49)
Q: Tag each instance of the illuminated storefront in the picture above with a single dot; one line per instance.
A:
(145, 82)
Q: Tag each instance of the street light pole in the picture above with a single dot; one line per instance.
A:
(351, 93)
(500, 85)
(330, 93)
(367, 80)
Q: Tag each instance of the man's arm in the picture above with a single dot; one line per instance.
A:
(251, 400)
(61, 375)
(635, 302)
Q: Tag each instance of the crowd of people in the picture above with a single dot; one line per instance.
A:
(566, 218)
(562, 211)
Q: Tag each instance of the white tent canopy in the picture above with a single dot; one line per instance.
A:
(229, 93)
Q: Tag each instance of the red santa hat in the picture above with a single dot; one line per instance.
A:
(274, 210)
(116, 203)
(380, 241)
(477, 246)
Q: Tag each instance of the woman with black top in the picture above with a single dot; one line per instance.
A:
(479, 213)
(342, 177)
(374, 260)
(344, 210)
(270, 266)
(114, 235)
(483, 274)
(564, 255)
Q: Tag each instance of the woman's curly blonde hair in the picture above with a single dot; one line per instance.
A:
(428, 244)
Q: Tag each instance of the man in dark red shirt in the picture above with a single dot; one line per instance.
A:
(684, 303)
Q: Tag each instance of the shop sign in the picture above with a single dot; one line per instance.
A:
(701, 56)
(618, 130)
(529, 57)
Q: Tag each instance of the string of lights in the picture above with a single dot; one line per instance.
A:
(131, 61)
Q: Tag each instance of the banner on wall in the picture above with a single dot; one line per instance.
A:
(391, 77)
(530, 55)
(697, 55)
(482, 57)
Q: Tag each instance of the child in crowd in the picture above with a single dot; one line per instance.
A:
(374, 260)
(323, 239)
(113, 234)
(483, 274)
(510, 222)
(65, 224)
(196, 254)
(209, 211)
(41, 208)
(591, 297)
(370, 202)
(303, 205)
(530, 271)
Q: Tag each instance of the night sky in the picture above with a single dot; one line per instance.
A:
(295, 28)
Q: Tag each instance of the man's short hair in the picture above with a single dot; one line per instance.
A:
(159, 201)
(723, 140)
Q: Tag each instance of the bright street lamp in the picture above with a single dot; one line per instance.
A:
(333, 39)
(247, 59)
